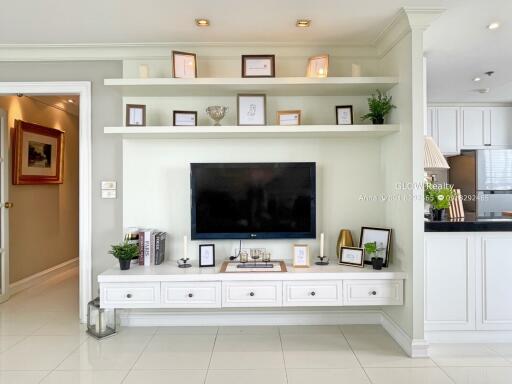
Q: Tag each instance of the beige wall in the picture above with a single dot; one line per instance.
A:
(43, 225)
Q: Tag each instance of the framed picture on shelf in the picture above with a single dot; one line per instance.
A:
(352, 256)
(288, 117)
(38, 154)
(251, 109)
(301, 256)
(258, 66)
(184, 65)
(135, 115)
(318, 66)
(344, 115)
(184, 118)
(207, 255)
(382, 239)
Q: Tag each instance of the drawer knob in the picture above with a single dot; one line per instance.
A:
(190, 295)
(313, 293)
(373, 293)
(251, 294)
(129, 295)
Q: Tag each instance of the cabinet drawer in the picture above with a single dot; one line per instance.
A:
(252, 294)
(373, 292)
(191, 295)
(311, 293)
(130, 295)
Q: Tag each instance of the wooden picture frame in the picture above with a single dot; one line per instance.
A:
(301, 256)
(207, 255)
(352, 256)
(184, 118)
(373, 234)
(254, 108)
(38, 154)
(182, 63)
(344, 115)
(318, 66)
(292, 117)
(135, 115)
(254, 66)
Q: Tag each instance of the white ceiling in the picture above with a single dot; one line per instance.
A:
(66, 103)
(458, 45)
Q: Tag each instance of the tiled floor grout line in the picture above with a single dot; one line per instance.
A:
(211, 356)
(140, 354)
(282, 352)
(355, 355)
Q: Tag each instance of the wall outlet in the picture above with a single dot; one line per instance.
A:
(108, 194)
(108, 185)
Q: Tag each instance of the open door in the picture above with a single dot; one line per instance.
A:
(4, 210)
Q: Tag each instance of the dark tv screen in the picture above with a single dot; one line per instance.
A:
(253, 200)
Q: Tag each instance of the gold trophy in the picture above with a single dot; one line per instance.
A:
(344, 240)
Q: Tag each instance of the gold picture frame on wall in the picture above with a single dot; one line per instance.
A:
(38, 154)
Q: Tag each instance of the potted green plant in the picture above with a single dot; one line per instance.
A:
(125, 252)
(439, 198)
(380, 105)
(370, 250)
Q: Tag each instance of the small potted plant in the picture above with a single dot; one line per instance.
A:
(380, 105)
(439, 198)
(125, 252)
(370, 249)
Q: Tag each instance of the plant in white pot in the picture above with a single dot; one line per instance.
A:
(125, 252)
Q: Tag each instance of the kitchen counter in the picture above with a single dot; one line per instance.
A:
(471, 223)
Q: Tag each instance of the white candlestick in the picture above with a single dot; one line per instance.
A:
(143, 71)
(321, 245)
(185, 249)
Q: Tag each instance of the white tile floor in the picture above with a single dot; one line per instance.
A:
(41, 341)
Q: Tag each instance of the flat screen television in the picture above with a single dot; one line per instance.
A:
(253, 200)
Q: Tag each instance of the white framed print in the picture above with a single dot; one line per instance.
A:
(344, 115)
(352, 256)
(207, 255)
(258, 66)
(301, 256)
(135, 115)
(184, 65)
(184, 118)
(251, 109)
(288, 117)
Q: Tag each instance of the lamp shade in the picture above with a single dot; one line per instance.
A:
(434, 159)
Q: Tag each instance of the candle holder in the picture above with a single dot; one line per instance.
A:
(99, 325)
(323, 260)
(183, 263)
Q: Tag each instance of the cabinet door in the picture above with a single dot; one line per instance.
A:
(449, 282)
(476, 127)
(501, 126)
(447, 129)
(494, 298)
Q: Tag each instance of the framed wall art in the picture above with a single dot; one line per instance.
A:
(344, 115)
(251, 109)
(38, 154)
(135, 115)
(258, 66)
(288, 117)
(184, 65)
(184, 118)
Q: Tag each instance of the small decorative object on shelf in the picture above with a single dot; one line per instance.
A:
(251, 109)
(184, 118)
(352, 256)
(377, 263)
(207, 255)
(288, 117)
(344, 115)
(244, 257)
(380, 105)
(143, 71)
(318, 66)
(258, 66)
(98, 324)
(216, 113)
(439, 198)
(184, 65)
(135, 115)
(324, 260)
(356, 70)
(125, 252)
(344, 240)
(301, 256)
(376, 242)
(183, 263)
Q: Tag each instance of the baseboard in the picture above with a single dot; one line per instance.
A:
(39, 277)
(413, 347)
(469, 336)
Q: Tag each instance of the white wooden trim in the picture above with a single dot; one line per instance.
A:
(468, 336)
(413, 347)
(83, 89)
(4, 214)
(42, 276)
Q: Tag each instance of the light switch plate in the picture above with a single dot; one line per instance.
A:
(108, 194)
(108, 185)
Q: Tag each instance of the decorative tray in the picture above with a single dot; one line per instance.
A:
(260, 266)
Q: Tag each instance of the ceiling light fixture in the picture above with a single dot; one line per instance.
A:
(476, 79)
(202, 22)
(70, 101)
(494, 25)
(303, 23)
(484, 90)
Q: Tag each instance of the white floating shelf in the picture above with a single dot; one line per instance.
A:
(276, 86)
(247, 132)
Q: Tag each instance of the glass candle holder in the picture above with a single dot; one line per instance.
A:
(244, 257)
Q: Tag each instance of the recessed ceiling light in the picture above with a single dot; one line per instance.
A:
(476, 79)
(494, 25)
(70, 101)
(202, 22)
(303, 23)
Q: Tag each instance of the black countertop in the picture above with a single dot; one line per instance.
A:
(472, 223)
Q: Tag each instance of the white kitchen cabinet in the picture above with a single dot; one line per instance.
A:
(449, 281)
(476, 127)
(501, 126)
(445, 129)
(493, 274)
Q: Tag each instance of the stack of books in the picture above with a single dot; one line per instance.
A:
(151, 247)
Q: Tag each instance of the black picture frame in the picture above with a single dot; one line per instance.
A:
(341, 262)
(387, 231)
(271, 58)
(175, 113)
(349, 107)
(141, 107)
(174, 58)
(201, 261)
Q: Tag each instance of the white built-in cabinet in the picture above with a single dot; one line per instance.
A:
(456, 128)
(467, 281)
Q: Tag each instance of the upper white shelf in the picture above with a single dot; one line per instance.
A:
(275, 86)
(247, 132)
